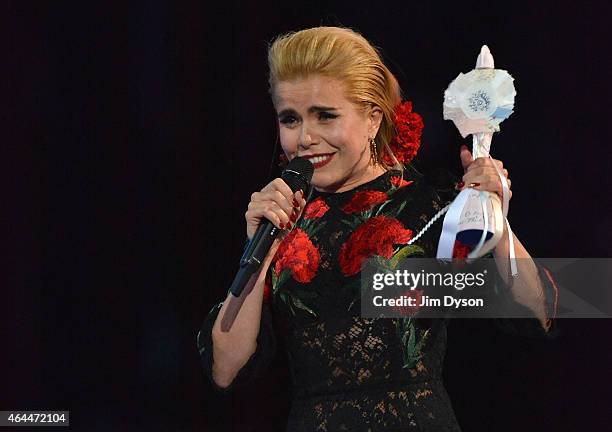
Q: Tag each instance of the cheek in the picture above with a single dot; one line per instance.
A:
(288, 141)
(342, 139)
(352, 143)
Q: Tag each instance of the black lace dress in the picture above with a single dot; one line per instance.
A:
(351, 373)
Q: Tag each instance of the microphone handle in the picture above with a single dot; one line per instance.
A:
(253, 256)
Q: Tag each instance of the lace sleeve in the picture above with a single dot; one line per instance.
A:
(531, 327)
(261, 358)
(433, 196)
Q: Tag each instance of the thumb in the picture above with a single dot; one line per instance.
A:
(466, 157)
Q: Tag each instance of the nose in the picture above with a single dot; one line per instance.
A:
(305, 140)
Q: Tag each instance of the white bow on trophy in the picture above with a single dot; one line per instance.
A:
(477, 102)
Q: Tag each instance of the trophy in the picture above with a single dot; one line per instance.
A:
(477, 102)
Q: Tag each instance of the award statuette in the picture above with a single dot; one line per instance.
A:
(477, 102)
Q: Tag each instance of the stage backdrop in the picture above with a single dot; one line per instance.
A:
(135, 134)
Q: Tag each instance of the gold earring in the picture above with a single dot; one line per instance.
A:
(373, 152)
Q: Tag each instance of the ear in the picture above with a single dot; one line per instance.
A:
(375, 116)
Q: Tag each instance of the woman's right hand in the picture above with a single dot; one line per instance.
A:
(275, 202)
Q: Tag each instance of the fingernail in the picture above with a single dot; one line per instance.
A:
(295, 203)
(459, 185)
(474, 185)
(288, 226)
(282, 226)
(293, 217)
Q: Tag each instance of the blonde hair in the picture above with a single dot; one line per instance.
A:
(343, 54)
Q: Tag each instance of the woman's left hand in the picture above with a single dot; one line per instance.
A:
(482, 172)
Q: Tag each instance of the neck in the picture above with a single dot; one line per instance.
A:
(370, 173)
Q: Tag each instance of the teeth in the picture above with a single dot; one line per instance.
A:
(318, 159)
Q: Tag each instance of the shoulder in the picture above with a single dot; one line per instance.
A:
(425, 191)
(422, 203)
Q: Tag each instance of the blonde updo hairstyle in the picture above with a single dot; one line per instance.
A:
(345, 55)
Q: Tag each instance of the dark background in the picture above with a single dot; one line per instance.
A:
(134, 133)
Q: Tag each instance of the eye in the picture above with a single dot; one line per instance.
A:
(326, 116)
(287, 120)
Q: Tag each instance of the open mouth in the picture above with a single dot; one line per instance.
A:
(321, 160)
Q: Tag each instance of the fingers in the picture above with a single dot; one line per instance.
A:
(277, 203)
(279, 185)
(483, 172)
(493, 186)
(466, 157)
(277, 210)
(268, 209)
(298, 206)
(481, 162)
(272, 197)
(277, 191)
(485, 178)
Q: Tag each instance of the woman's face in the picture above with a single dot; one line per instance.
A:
(317, 122)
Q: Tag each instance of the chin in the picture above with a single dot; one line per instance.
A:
(325, 181)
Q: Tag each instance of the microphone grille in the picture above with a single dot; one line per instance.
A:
(298, 174)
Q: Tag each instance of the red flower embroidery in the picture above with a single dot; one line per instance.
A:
(407, 310)
(399, 182)
(364, 200)
(460, 250)
(376, 236)
(316, 209)
(267, 288)
(407, 140)
(297, 253)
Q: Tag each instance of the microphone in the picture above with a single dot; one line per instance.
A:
(297, 175)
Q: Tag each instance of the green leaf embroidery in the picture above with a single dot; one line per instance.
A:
(393, 212)
(311, 226)
(279, 280)
(289, 297)
(294, 302)
(404, 253)
(299, 304)
(381, 207)
(412, 346)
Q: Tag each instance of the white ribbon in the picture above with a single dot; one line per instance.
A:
(484, 196)
(505, 205)
(453, 216)
(450, 224)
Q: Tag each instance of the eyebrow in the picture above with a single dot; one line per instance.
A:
(312, 109)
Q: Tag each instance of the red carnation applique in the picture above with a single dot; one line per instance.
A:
(316, 209)
(364, 200)
(460, 250)
(399, 182)
(376, 236)
(297, 253)
(407, 140)
(409, 311)
(267, 288)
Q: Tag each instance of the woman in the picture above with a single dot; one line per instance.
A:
(336, 104)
